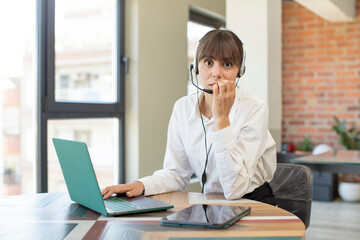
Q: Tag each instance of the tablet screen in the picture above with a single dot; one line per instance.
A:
(202, 215)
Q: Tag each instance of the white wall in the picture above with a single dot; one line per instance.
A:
(258, 24)
(156, 44)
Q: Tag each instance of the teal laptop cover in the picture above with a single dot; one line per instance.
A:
(79, 174)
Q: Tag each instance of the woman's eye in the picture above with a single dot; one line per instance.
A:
(208, 62)
(227, 64)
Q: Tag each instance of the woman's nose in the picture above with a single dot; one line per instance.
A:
(217, 71)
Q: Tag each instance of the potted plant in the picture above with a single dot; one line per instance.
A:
(349, 138)
(349, 184)
(305, 147)
(349, 187)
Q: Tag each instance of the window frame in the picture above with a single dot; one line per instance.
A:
(49, 109)
(198, 16)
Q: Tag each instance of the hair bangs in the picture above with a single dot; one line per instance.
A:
(220, 45)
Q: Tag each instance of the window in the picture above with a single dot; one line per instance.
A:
(81, 86)
(85, 50)
(62, 75)
(17, 97)
(102, 142)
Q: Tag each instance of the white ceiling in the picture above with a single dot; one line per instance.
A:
(332, 10)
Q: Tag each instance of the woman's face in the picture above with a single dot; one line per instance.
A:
(212, 71)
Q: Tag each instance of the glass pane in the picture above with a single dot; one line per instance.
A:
(85, 51)
(195, 32)
(102, 142)
(17, 97)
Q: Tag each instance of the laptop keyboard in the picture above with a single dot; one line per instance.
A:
(118, 205)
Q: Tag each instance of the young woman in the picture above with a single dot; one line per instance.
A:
(220, 135)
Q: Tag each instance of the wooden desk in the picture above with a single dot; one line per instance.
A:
(342, 161)
(55, 216)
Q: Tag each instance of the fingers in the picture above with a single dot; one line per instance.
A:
(131, 190)
(216, 90)
(108, 191)
(231, 89)
(224, 88)
(138, 189)
(223, 99)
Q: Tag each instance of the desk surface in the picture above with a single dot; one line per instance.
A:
(342, 161)
(39, 216)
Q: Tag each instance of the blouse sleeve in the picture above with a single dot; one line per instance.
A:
(237, 155)
(177, 171)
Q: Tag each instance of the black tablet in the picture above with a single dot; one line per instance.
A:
(208, 216)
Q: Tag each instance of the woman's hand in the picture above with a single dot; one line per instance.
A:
(130, 189)
(223, 100)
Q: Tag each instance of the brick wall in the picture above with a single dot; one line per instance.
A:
(320, 74)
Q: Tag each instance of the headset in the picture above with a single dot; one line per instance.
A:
(194, 67)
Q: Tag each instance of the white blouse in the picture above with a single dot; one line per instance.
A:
(242, 157)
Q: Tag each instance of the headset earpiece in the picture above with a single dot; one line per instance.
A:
(196, 69)
(194, 65)
(242, 65)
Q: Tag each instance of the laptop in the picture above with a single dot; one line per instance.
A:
(83, 186)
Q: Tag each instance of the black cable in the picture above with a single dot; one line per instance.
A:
(205, 210)
(203, 177)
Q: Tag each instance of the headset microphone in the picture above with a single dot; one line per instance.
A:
(192, 80)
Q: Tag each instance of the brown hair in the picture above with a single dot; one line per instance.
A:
(220, 44)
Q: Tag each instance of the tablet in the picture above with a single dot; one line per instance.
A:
(208, 216)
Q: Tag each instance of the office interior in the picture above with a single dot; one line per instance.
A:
(302, 58)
